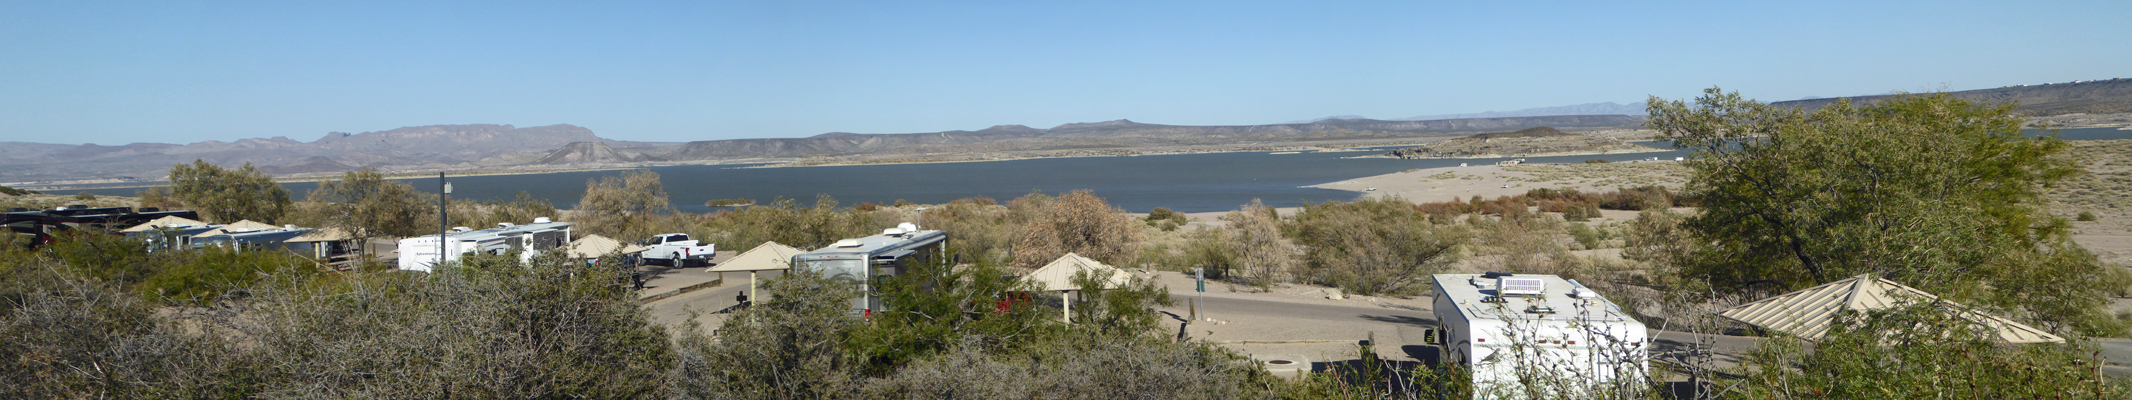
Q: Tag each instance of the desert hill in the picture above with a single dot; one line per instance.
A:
(1537, 141)
(591, 153)
(2088, 97)
(436, 146)
(1116, 134)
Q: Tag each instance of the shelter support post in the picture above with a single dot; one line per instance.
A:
(1066, 298)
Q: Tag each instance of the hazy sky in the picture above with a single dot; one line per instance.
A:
(178, 71)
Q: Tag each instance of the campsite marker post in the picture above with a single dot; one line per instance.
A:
(1200, 275)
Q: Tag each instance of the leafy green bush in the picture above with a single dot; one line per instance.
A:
(1164, 213)
(1802, 198)
(205, 275)
(2085, 216)
(1586, 236)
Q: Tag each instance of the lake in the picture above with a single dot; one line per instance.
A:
(1182, 182)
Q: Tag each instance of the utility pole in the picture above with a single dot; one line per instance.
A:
(444, 195)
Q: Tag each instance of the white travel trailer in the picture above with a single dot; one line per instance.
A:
(420, 253)
(1562, 336)
(862, 261)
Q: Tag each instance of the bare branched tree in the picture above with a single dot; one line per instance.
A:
(615, 206)
(1080, 223)
(1254, 238)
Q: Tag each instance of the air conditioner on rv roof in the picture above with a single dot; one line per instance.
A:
(1508, 286)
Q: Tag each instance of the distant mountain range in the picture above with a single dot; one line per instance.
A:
(432, 147)
(498, 148)
(1119, 134)
(1608, 108)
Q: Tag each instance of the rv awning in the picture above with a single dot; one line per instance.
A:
(1058, 275)
(164, 222)
(1808, 313)
(239, 225)
(596, 246)
(769, 256)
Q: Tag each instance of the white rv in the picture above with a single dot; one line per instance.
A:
(420, 253)
(1559, 335)
(862, 261)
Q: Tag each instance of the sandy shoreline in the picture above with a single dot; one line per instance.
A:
(1555, 154)
(1277, 150)
(1491, 181)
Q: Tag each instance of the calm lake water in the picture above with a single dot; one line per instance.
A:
(1185, 182)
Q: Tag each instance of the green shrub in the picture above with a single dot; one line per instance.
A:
(1373, 245)
(205, 275)
(2085, 216)
(1586, 236)
(1164, 214)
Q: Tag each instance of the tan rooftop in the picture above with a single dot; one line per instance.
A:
(164, 222)
(239, 225)
(596, 246)
(323, 235)
(1807, 313)
(770, 256)
(1058, 275)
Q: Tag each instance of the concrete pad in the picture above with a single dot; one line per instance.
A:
(663, 282)
(1284, 365)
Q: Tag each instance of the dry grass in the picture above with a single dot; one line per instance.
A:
(1671, 174)
(2106, 189)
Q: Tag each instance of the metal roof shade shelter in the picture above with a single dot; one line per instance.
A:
(769, 256)
(244, 224)
(1808, 313)
(596, 246)
(164, 222)
(1058, 275)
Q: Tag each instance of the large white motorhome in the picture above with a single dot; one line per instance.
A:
(1569, 340)
(420, 253)
(863, 260)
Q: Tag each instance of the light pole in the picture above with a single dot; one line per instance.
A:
(444, 195)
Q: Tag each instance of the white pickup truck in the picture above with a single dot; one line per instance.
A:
(676, 250)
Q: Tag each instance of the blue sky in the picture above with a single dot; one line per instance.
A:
(179, 72)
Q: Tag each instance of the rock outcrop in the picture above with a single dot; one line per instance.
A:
(591, 153)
